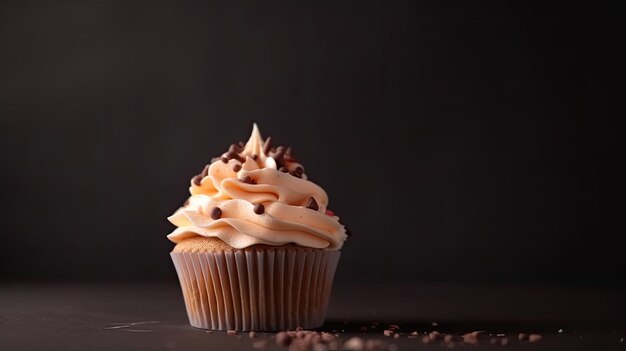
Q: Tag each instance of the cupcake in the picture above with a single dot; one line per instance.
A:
(256, 247)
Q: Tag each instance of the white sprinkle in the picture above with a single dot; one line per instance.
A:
(560, 331)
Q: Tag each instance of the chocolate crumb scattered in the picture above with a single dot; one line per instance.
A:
(259, 209)
(252, 334)
(434, 335)
(471, 338)
(224, 159)
(248, 180)
(312, 204)
(236, 167)
(534, 337)
(216, 213)
(267, 146)
(282, 338)
(231, 332)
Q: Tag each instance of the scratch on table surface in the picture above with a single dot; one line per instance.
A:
(121, 325)
(138, 330)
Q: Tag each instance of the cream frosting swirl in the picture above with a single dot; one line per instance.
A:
(294, 208)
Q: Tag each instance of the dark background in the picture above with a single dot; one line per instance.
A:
(459, 142)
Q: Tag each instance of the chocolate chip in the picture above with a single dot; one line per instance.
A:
(224, 159)
(235, 148)
(205, 171)
(298, 172)
(233, 155)
(267, 146)
(312, 204)
(196, 179)
(248, 180)
(216, 213)
(279, 156)
(236, 167)
(284, 169)
(259, 208)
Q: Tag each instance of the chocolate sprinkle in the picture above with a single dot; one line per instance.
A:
(216, 213)
(259, 208)
(312, 204)
(248, 180)
(237, 167)
(196, 179)
(267, 146)
(284, 169)
(205, 171)
(224, 159)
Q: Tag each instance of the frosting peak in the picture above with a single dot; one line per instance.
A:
(248, 175)
(254, 146)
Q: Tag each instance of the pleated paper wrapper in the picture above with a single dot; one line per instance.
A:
(261, 290)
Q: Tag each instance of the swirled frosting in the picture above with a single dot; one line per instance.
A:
(257, 194)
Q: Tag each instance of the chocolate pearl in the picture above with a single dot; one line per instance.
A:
(224, 159)
(248, 180)
(284, 169)
(312, 204)
(237, 167)
(196, 179)
(259, 208)
(216, 213)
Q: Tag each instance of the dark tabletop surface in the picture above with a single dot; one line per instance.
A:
(152, 317)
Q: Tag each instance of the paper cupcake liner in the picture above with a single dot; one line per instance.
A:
(261, 290)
